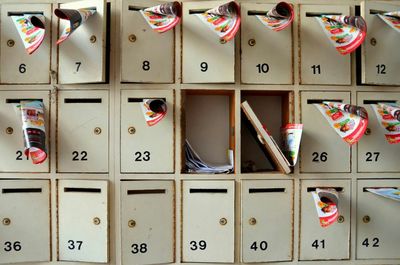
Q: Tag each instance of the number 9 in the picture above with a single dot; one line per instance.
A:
(204, 66)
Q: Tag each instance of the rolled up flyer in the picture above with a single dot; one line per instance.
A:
(33, 127)
(393, 109)
(163, 17)
(76, 17)
(31, 30)
(349, 121)
(154, 110)
(389, 123)
(291, 134)
(326, 203)
(223, 20)
(346, 33)
(279, 17)
(392, 19)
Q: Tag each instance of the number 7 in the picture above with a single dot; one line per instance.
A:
(78, 65)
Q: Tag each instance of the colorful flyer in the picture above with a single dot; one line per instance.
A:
(31, 29)
(154, 110)
(33, 127)
(392, 108)
(326, 203)
(388, 122)
(392, 19)
(346, 33)
(349, 121)
(279, 17)
(390, 193)
(76, 18)
(223, 20)
(291, 135)
(163, 17)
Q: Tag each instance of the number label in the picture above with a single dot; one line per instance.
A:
(316, 69)
(75, 156)
(22, 68)
(381, 69)
(201, 245)
(74, 245)
(145, 156)
(78, 65)
(204, 67)
(262, 245)
(19, 155)
(10, 246)
(139, 248)
(318, 244)
(263, 68)
(370, 155)
(146, 66)
(375, 242)
(323, 157)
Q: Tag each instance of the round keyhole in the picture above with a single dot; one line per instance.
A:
(252, 42)
(252, 221)
(9, 130)
(366, 219)
(132, 38)
(131, 223)
(6, 221)
(93, 39)
(10, 43)
(223, 221)
(131, 130)
(97, 130)
(96, 220)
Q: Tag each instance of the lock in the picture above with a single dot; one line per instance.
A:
(222, 41)
(367, 131)
(96, 220)
(223, 221)
(131, 130)
(366, 219)
(340, 219)
(97, 130)
(131, 223)
(93, 39)
(373, 41)
(252, 42)
(9, 130)
(6, 221)
(252, 221)
(132, 38)
(10, 43)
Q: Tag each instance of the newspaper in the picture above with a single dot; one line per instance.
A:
(388, 117)
(291, 141)
(31, 30)
(326, 203)
(33, 127)
(194, 164)
(392, 19)
(390, 193)
(76, 17)
(346, 33)
(279, 17)
(349, 121)
(154, 110)
(223, 20)
(163, 17)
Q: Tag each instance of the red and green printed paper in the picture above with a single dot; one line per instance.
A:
(73, 18)
(163, 17)
(346, 33)
(392, 19)
(326, 204)
(33, 128)
(279, 17)
(291, 134)
(349, 121)
(223, 20)
(388, 117)
(154, 110)
(31, 30)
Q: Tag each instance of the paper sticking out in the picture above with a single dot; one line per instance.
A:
(223, 20)
(390, 193)
(279, 17)
(31, 30)
(346, 33)
(194, 164)
(32, 114)
(326, 203)
(349, 121)
(388, 117)
(291, 134)
(154, 110)
(76, 18)
(392, 19)
(163, 17)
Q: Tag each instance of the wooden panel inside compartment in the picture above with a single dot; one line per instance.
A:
(274, 109)
(208, 121)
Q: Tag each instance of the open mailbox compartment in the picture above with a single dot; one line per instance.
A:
(274, 109)
(208, 123)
